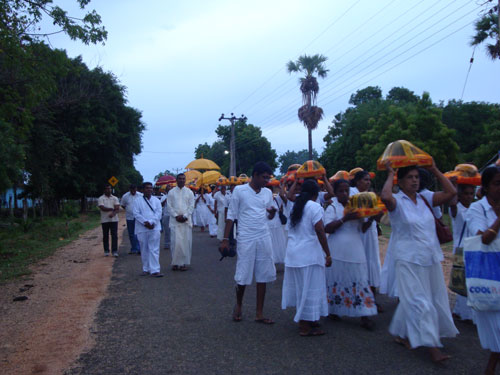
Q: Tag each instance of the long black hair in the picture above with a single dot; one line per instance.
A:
(310, 189)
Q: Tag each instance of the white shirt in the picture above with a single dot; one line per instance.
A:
(249, 208)
(435, 209)
(457, 224)
(164, 206)
(108, 202)
(345, 243)
(303, 248)
(143, 213)
(413, 234)
(221, 200)
(479, 217)
(180, 202)
(128, 200)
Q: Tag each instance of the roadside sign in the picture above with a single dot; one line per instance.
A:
(113, 181)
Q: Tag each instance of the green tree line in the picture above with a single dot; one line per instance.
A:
(452, 133)
(65, 129)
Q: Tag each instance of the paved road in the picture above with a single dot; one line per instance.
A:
(181, 324)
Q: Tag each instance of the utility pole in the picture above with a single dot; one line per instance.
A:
(232, 142)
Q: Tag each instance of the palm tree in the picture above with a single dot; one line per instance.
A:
(487, 28)
(309, 113)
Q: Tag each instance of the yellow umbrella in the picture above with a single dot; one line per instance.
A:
(210, 177)
(202, 164)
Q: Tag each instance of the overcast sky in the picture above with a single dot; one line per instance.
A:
(186, 62)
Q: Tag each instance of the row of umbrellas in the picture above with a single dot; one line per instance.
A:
(194, 176)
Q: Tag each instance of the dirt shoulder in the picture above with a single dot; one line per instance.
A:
(45, 333)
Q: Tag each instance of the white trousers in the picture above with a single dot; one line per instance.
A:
(150, 250)
(221, 225)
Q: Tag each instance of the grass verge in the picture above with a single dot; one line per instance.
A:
(22, 245)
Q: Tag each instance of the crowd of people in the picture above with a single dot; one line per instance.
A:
(330, 255)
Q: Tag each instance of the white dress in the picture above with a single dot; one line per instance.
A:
(372, 250)
(458, 222)
(304, 280)
(348, 290)
(423, 314)
(480, 216)
(212, 221)
(201, 211)
(278, 236)
(221, 214)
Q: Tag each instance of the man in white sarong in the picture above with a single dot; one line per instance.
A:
(220, 198)
(147, 214)
(250, 204)
(180, 206)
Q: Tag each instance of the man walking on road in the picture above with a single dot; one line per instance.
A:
(180, 206)
(147, 214)
(127, 202)
(250, 204)
(109, 206)
(166, 218)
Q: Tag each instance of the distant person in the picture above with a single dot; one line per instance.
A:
(180, 206)
(250, 204)
(109, 206)
(221, 202)
(458, 208)
(147, 214)
(165, 219)
(127, 203)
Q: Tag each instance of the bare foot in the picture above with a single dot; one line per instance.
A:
(438, 356)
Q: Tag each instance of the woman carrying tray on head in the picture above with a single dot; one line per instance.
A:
(423, 314)
(348, 289)
(483, 217)
(359, 184)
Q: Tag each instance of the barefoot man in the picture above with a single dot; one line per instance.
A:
(250, 205)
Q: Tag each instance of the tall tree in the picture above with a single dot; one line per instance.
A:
(309, 113)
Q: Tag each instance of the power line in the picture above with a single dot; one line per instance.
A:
(310, 43)
(468, 71)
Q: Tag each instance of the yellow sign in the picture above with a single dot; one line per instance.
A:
(113, 181)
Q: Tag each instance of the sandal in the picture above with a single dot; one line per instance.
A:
(402, 341)
(183, 268)
(312, 332)
(175, 268)
(264, 321)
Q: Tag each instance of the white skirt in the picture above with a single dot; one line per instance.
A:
(348, 290)
(488, 329)
(212, 224)
(370, 242)
(201, 215)
(279, 242)
(461, 309)
(423, 314)
(388, 274)
(305, 289)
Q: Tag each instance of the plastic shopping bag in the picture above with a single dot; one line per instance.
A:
(482, 273)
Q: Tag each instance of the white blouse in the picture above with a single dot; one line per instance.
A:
(345, 243)
(457, 224)
(413, 235)
(479, 217)
(303, 248)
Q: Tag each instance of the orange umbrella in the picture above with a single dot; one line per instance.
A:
(340, 175)
(465, 174)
